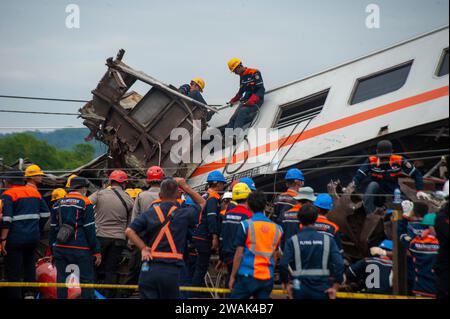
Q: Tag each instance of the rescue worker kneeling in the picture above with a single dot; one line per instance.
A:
(164, 230)
(73, 240)
(316, 264)
(257, 246)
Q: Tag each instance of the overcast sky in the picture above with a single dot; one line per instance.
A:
(177, 40)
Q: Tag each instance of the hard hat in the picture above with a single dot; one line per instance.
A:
(199, 82)
(306, 193)
(227, 195)
(387, 245)
(69, 179)
(233, 64)
(155, 174)
(131, 192)
(294, 174)
(33, 170)
(240, 191)
(384, 148)
(137, 191)
(58, 193)
(46, 273)
(324, 201)
(79, 182)
(216, 176)
(118, 176)
(429, 219)
(189, 201)
(250, 183)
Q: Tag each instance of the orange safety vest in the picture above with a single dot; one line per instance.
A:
(165, 231)
(395, 162)
(262, 240)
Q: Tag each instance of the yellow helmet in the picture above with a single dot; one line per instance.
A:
(69, 179)
(240, 191)
(233, 64)
(137, 191)
(58, 193)
(199, 82)
(33, 170)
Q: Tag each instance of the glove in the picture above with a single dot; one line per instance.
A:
(407, 207)
(422, 195)
(374, 251)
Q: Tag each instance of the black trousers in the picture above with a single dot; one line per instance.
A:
(203, 248)
(20, 264)
(159, 281)
(111, 250)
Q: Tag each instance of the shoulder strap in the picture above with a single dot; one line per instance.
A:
(121, 199)
(164, 222)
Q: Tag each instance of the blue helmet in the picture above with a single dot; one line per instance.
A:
(216, 176)
(250, 183)
(324, 201)
(294, 174)
(189, 201)
(387, 245)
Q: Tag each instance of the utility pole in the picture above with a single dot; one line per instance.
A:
(399, 283)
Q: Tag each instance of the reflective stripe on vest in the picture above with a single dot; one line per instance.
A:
(174, 254)
(252, 248)
(299, 271)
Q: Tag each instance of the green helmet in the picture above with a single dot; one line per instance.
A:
(429, 219)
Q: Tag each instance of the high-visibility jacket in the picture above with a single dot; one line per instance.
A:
(169, 244)
(313, 258)
(289, 223)
(323, 224)
(251, 90)
(25, 213)
(283, 202)
(424, 250)
(208, 221)
(375, 272)
(230, 225)
(260, 238)
(76, 210)
(387, 174)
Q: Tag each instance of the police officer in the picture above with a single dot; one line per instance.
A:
(289, 218)
(376, 271)
(317, 266)
(164, 227)
(250, 94)
(384, 170)
(143, 201)
(205, 237)
(194, 90)
(257, 242)
(112, 207)
(73, 240)
(324, 203)
(294, 181)
(24, 215)
(231, 224)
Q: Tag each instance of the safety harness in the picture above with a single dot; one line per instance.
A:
(165, 231)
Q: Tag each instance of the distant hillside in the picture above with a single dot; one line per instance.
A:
(66, 139)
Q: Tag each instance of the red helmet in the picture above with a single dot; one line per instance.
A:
(118, 176)
(46, 273)
(155, 174)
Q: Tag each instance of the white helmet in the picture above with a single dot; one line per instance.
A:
(227, 195)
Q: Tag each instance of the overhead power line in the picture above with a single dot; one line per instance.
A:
(42, 98)
(37, 112)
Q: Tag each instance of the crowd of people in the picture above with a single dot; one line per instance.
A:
(172, 231)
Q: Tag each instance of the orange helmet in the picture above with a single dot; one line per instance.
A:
(118, 176)
(46, 273)
(155, 174)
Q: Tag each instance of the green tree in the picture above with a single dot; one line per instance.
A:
(24, 145)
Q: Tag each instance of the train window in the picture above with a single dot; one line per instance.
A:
(443, 64)
(301, 110)
(381, 83)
